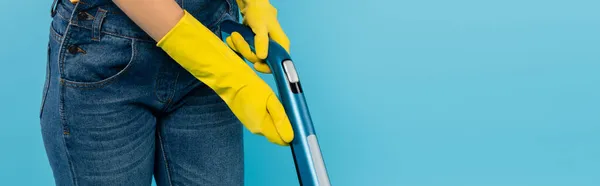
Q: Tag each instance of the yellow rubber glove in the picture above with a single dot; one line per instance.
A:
(210, 60)
(261, 17)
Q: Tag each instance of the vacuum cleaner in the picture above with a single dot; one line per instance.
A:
(308, 159)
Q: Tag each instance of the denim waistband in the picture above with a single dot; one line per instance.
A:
(104, 17)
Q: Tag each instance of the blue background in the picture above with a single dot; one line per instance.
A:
(415, 93)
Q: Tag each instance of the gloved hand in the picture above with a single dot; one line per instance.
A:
(261, 17)
(205, 56)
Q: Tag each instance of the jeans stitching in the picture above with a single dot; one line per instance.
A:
(155, 90)
(229, 7)
(167, 103)
(157, 84)
(128, 37)
(55, 36)
(115, 34)
(172, 90)
(74, 23)
(61, 54)
(219, 20)
(60, 16)
(61, 106)
(102, 83)
(46, 83)
(53, 8)
(97, 24)
(164, 154)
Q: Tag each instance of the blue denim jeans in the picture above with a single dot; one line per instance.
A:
(117, 110)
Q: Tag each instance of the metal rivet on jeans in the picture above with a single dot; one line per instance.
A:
(82, 16)
(73, 49)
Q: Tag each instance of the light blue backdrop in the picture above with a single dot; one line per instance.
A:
(414, 93)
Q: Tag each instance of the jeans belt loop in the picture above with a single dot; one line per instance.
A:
(53, 8)
(97, 24)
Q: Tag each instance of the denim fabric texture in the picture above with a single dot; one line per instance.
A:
(117, 110)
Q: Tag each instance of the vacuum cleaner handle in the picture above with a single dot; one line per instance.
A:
(308, 160)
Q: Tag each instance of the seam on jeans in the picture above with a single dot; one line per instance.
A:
(146, 39)
(170, 99)
(155, 90)
(157, 85)
(53, 8)
(229, 6)
(97, 24)
(61, 54)
(46, 81)
(115, 34)
(129, 37)
(102, 83)
(59, 15)
(219, 20)
(55, 36)
(61, 108)
(164, 154)
(167, 103)
(235, 11)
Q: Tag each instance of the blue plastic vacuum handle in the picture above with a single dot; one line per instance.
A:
(310, 166)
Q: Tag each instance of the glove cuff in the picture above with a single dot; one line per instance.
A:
(207, 57)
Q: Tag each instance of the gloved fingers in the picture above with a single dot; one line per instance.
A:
(262, 67)
(242, 47)
(280, 119)
(268, 130)
(230, 43)
(278, 35)
(261, 41)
